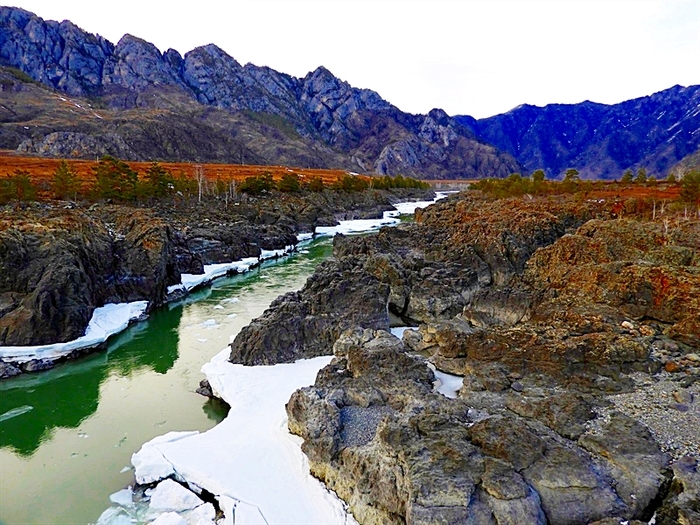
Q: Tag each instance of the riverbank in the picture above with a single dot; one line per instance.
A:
(250, 480)
(61, 264)
(548, 308)
(72, 449)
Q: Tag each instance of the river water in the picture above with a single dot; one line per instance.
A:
(67, 435)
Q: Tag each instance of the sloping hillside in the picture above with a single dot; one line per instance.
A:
(206, 106)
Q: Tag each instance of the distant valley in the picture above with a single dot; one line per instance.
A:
(71, 94)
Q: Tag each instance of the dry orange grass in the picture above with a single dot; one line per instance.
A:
(41, 170)
(661, 191)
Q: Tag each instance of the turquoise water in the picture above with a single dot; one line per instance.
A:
(67, 435)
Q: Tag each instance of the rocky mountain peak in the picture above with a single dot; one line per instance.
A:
(653, 132)
(136, 64)
(322, 83)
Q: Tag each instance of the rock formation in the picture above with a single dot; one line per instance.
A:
(377, 434)
(547, 308)
(58, 264)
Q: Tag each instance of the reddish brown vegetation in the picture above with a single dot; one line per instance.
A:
(41, 170)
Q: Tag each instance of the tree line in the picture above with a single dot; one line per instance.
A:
(115, 180)
(536, 184)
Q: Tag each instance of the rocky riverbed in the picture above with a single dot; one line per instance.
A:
(60, 261)
(577, 334)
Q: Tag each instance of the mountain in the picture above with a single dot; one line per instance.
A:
(601, 141)
(135, 102)
(68, 93)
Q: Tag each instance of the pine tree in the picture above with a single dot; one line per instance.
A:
(65, 183)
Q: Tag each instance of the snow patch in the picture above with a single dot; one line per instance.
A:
(124, 497)
(189, 281)
(149, 463)
(170, 495)
(274, 254)
(169, 518)
(388, 218)
(446, 384)
(357, 226)
(399, 330)
(106, 321)
(249, 461)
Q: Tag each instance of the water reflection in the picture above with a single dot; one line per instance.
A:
(215, 409)
(68, 394)
(71, 450)
(58, 398)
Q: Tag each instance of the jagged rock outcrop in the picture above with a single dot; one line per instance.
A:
(377, 434)
(135, 64)
(58, 54)
(297, 325)
(435, 269)
(592, 305)
(546, 309)
(56, 270)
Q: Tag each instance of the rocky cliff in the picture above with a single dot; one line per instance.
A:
(315, 121)
(553, 312)
(57, 264)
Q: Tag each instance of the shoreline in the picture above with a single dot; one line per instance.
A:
(171, 455)
(113, 318)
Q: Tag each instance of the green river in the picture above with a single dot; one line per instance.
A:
(67, 435)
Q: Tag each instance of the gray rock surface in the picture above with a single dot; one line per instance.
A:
(377, 434)
(547, 310)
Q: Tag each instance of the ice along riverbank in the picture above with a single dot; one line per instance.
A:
(70, 442)
(250, 462)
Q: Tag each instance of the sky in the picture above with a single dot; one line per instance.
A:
(468, 57)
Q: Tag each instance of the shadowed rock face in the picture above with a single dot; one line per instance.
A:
(296, 325)
(56, 272)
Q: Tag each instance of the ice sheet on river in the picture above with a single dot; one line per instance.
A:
(188, 281)
(106, 321)
(249, 461)
(388, 218)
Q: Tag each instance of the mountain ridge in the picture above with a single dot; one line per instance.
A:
(602, 144)
(318, 120)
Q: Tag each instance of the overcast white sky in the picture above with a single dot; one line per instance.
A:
(470, 57)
